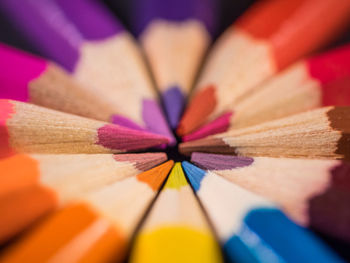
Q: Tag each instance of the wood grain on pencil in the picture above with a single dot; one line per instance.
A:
(268, 37)
(95, 228)
(28, 128)
(320, 133)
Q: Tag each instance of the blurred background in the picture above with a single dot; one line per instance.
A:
(229, 11)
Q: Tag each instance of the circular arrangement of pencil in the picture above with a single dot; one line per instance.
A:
(83, 127)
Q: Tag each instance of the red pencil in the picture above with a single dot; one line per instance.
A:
(322, 80)
(268, 37)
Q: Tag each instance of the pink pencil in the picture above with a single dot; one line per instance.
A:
(28, 78)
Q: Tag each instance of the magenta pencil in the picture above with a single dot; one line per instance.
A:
(28, 78)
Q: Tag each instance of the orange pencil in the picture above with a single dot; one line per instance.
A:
(33, 185)
(95, 228)
(268, 37)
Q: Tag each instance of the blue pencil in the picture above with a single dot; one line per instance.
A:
(251, 228)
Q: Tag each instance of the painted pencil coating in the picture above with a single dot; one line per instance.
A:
(181, 231)
(176, 11)
(95, 23)
(256, 46)
(282, 34)
(253, 229)
(46, 26)
(95, 229)
(11, 61)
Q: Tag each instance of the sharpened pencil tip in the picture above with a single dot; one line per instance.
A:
(219, 125)
(173, 101)
(211, 161)
(142, 161)
(155, 120)
(198, 111)
(176, 178)
(120, 138)
(156, 176)
(194, 174)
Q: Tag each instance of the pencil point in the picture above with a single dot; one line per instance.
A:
(201, 106)
(219, 161)
(218, 125)
(142, 161)
(176, 178)
(209, 145)
(173, 101)
(156, 176)
(155, 120)
(120, 138)
(194, 174)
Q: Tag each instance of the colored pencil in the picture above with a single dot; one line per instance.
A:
(29, 128)
(312, 192)
(268, 37)
(57, 179)
(175, 35)
(86, 39)
(321, 80)
(319, 133)
(176, 229)
(28, 78)
(251, 228)
(96, 228)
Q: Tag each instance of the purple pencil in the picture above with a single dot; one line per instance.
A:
(85, 38)
(174, 35)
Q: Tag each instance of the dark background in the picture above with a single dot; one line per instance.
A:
(228, 11)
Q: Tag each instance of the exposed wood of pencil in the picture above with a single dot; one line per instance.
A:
(33, 129)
